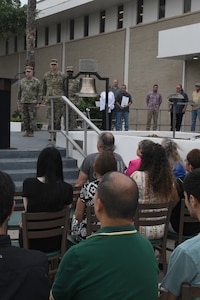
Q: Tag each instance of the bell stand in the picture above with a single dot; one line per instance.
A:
(106, 79)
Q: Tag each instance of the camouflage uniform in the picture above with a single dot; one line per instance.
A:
(73, 87)
(54, 85)
(29, 95)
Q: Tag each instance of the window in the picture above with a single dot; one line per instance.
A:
(7, 46)
(187, 6)
(86, 25)
(120, 16)
(102, 21)
(15, 44)
(46, 38)
(161, 9)
(71, 29)
(58, 33)
(139, 11)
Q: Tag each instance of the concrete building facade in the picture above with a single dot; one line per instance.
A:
(125, 37)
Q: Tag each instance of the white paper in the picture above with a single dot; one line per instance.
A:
(125, 101)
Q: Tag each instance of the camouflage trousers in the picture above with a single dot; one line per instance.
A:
(58, 112)
(29, 113)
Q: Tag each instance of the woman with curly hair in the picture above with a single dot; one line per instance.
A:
(155, 182)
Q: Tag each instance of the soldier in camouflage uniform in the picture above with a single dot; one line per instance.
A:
(54, 85)
(29, 98)
(73, 88)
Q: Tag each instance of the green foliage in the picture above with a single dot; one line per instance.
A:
(12, 18)
(87, 102)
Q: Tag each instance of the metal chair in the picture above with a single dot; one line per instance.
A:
(46, 225)
(184, 218)
(153, 214)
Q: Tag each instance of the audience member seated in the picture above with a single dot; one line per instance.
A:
(106, 142)
(116, 262)
(155, 182)
(23, 273)
(104, 162)
(192, 162)
(184, 261)
(135, 163)
(174, 158)
(48, 192)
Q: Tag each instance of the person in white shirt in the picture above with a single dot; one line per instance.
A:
(111, 105)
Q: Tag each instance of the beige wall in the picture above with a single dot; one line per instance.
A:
(145, 69)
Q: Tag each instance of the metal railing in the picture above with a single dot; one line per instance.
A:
(85, 121)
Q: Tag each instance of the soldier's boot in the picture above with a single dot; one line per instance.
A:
(26, 134)
(50, 137)
(31, 133)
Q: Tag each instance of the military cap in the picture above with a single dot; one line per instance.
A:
(29, 68)
(69, 69)
(197, 84)
(54, 61)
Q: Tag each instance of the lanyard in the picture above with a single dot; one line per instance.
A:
(113, 233)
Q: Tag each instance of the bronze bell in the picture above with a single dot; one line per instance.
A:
(88, 88)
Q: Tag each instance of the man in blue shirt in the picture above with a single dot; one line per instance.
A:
(184, 263)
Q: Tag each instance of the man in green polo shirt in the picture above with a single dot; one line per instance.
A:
(116, 262)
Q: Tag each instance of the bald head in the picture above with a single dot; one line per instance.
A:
(119, 195)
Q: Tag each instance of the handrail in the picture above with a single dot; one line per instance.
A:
(86, 123)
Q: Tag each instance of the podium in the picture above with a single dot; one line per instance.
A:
(5, 93)
(174, 99)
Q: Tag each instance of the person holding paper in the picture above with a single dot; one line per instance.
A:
(123, 101)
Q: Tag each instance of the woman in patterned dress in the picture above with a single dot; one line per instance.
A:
(105, 162)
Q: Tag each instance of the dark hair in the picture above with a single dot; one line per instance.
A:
(160, 178)
(193, 158)
(7, 190)
(191, 184)
(49, 165)
(119, 195)
(106, 141)
(105, 162)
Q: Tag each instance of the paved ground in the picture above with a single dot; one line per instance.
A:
(38, 142)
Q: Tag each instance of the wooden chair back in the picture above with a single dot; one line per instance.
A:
(19, 205)
(93, 223)
(188, 292)
(76, 193)
(45, 225)
(153, 214)
(185, 217)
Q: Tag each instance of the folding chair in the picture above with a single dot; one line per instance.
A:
(184, 218)
(153, 214)
(188, 291)
(93, 223)
(45, 225)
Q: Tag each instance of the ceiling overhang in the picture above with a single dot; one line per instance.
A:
(180, 43)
